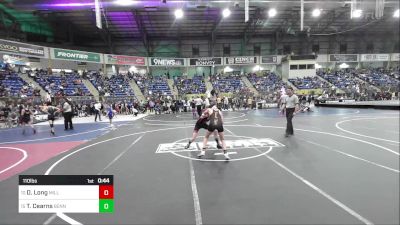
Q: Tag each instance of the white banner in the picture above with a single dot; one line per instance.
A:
(241, 60)
(395, 57)
(172, 62)
(19, 48)
(374, 57)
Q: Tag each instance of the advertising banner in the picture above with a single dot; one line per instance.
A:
(241, 60)
(395, 57)
(167, 62)
(24, 49)
(73, 55)
(270, 59)
(374, 57)
(15, 59)
(206, 61)
(125, 60)
(343, 58)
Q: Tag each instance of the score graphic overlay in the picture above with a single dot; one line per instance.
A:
(66, 194)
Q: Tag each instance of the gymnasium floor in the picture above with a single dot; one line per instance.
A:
(340, 167)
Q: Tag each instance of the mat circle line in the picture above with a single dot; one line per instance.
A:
(180, 121)
(362, 135)
(190, 116)
(164, 129)
(223, 160)
(174, 124)
(24, 153)
(55, 137)
(48, 171)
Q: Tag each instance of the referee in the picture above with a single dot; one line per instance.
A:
(68, 114)
(291, 104)
(199, 103)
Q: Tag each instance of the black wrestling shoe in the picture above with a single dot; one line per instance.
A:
(188, 145)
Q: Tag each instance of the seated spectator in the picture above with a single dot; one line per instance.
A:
(195, 85)
(13, 85)
(152, 86)
(385, 79)
(225, 84)
(116, 85)
(68, 83)
(357, 84)
(268, 85)
(309, 83)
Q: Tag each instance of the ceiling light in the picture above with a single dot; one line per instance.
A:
(272, 12)
(226, 13)
(316, 12)
(178, 13)
(257, 68)
(133, 69)
(70, 4)
(396, 14)
(343, 66)
(357, 13)
(227, 69)
(124, 2)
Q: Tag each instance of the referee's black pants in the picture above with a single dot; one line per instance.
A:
(289, 117)
(68, 120)
(97, 113)
(199, 110)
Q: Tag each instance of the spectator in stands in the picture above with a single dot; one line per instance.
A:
(36, 92)
(3, 91)
(193, 107)
(250, 102)
(357, 83)
(226, 103)
(309, 83)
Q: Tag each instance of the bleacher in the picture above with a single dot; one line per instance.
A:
(342, 79)
(69, 83)
(308, 83)
(383, 79)
(267, 83)
(196, 85)
(155, 85)
(227, 84)
(116, 85)
(13, 85)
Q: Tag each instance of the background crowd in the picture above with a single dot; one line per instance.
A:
(117, 91)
